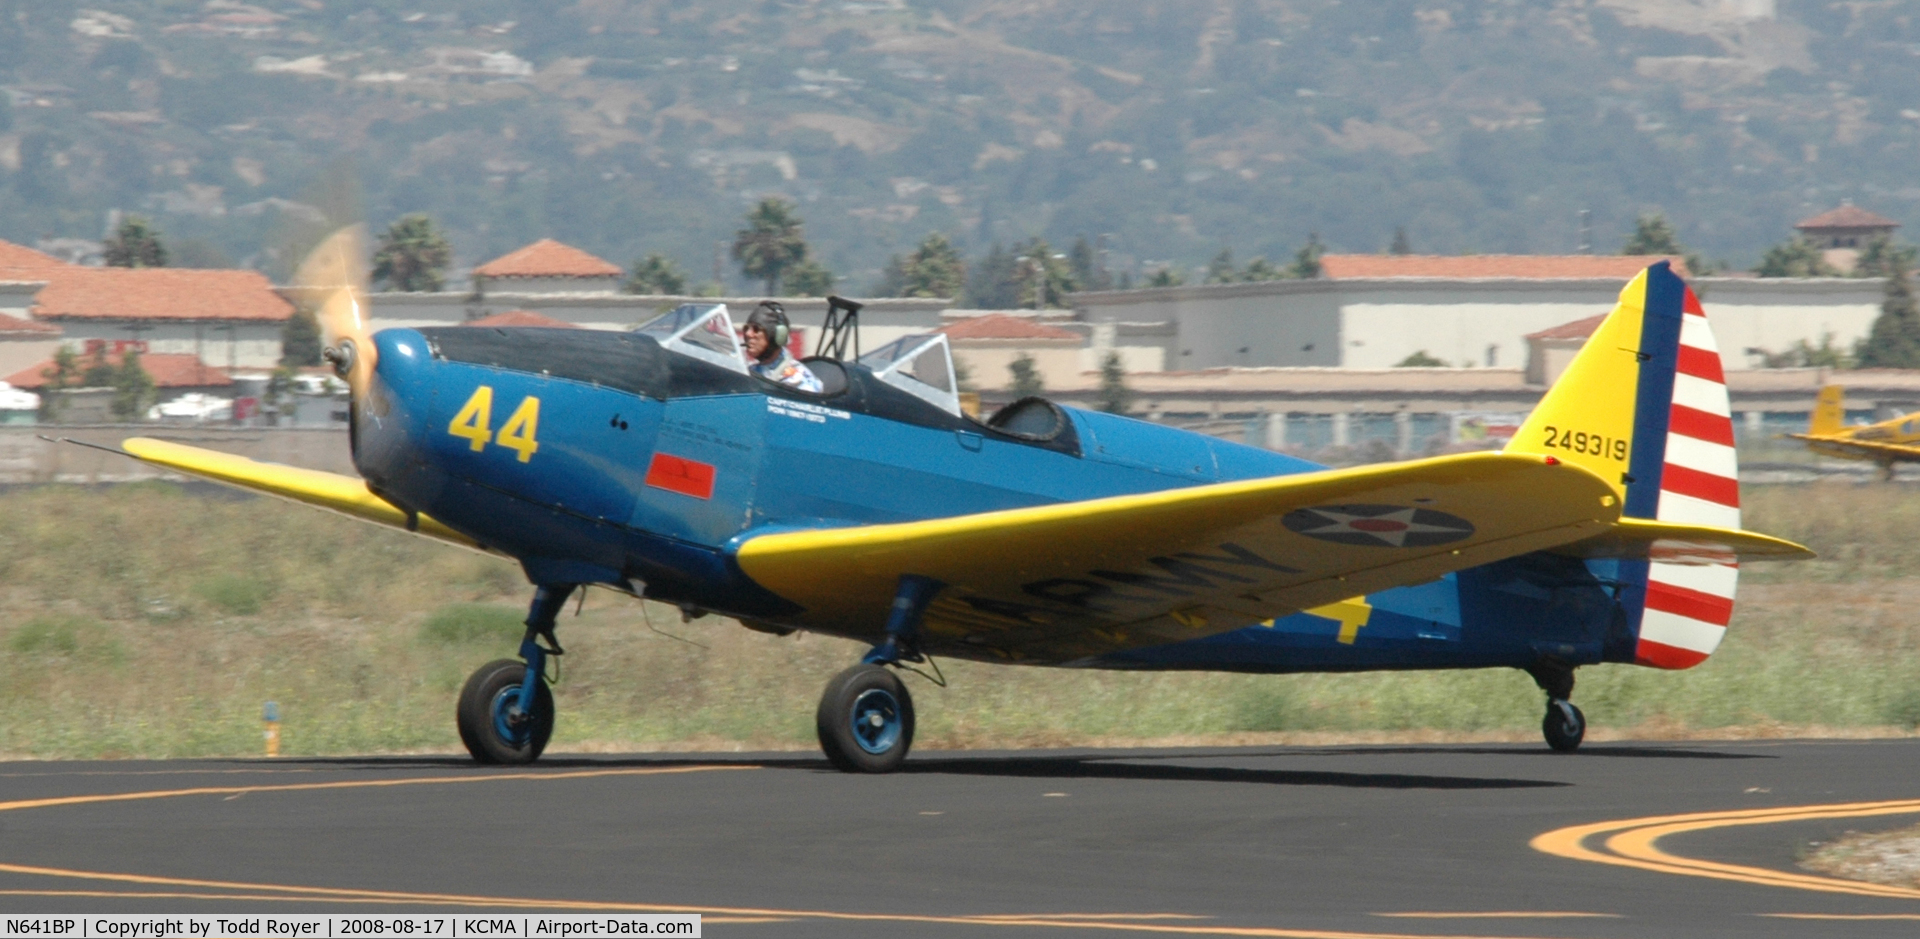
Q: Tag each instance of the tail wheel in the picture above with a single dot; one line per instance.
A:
(493, 726)
(1564, 726)
(865, 720)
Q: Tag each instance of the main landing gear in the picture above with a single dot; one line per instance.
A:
(506, 709)
(1564, 726)
(865, 719)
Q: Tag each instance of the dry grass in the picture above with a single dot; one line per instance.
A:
(147, 621)
(1883, 857)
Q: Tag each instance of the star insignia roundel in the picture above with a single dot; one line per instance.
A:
(1382, 526)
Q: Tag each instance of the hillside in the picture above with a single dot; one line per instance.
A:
(1172, 128)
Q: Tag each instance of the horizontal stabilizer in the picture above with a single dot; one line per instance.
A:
(1675, 542)
(332, 491)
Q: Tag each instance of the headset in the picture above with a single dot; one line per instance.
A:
(771, 318)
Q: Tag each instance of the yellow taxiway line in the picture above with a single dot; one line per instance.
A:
(263, 892)
(1634, 842)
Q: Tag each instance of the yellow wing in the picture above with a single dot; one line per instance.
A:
(342, 494)
(1060, 582)
(1645, 539)
(1853, 448)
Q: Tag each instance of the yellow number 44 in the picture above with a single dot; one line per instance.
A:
(475, 420)
(475, 424)
(522, 425)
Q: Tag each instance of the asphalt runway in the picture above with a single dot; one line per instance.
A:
(1293, 842)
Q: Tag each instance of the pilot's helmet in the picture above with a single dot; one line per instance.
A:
(771, 318)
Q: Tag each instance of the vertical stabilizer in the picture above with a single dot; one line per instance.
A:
(1645, 405)
(1829, 411)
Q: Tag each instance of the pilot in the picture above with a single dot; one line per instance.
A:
(765, 336)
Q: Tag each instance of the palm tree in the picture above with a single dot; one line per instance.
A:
(413, 256)
(771, 243)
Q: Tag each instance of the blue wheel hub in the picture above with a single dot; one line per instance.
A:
(876, 721)
(509, 722)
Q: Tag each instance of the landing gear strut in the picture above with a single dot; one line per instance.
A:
(506, 709)
(865, 719)
(1564, 726)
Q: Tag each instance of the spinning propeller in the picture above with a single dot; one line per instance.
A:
(337, 270)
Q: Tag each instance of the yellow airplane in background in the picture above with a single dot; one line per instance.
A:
(1886, 443)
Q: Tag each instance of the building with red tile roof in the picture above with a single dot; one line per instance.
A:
(160, 294)
(1848, 217)
(1002, 326)
(986, 345)
(548, 266)
(230, 316)
(14, 327)
(1550, 351)
(520, 318)
(1506, 266)
(16, 259)
(1841, 233)
(172, 372)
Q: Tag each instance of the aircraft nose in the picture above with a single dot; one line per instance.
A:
(386, 418)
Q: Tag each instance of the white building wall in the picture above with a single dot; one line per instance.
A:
(1379, 322)
(1776, 313)
(249, 345)
(1455, 329)
(1278, 323)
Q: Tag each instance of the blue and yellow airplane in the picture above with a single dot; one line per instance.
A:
(655, 463)
(1886, 443)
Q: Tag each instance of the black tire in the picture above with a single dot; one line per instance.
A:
(1564, 729)
(873, 698)
(476, 714)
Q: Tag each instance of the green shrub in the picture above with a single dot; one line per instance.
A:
(66, 636)
(1266, 706)
(462, 624)
(237, 594)
(1904, 709)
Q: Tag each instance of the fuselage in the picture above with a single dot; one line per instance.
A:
(596, 457)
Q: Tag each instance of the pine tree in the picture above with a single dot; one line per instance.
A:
(934, 269)
(1026, 377)
(1894, 341)
(132, 388)
(413, 256)
(1878, 257)
(1115, 397)
(136, 243)
(300, 339)
(99, 372)
(1087, 269)
(64, 373)
(772, 242)
(1652, 235)
(1044, 277)
(1795, 257)
(993, 283)
(1306, 261)
(656, 274)
(1220, 269)
(809, 279)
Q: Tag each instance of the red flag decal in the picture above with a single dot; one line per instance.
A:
(681, 475)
